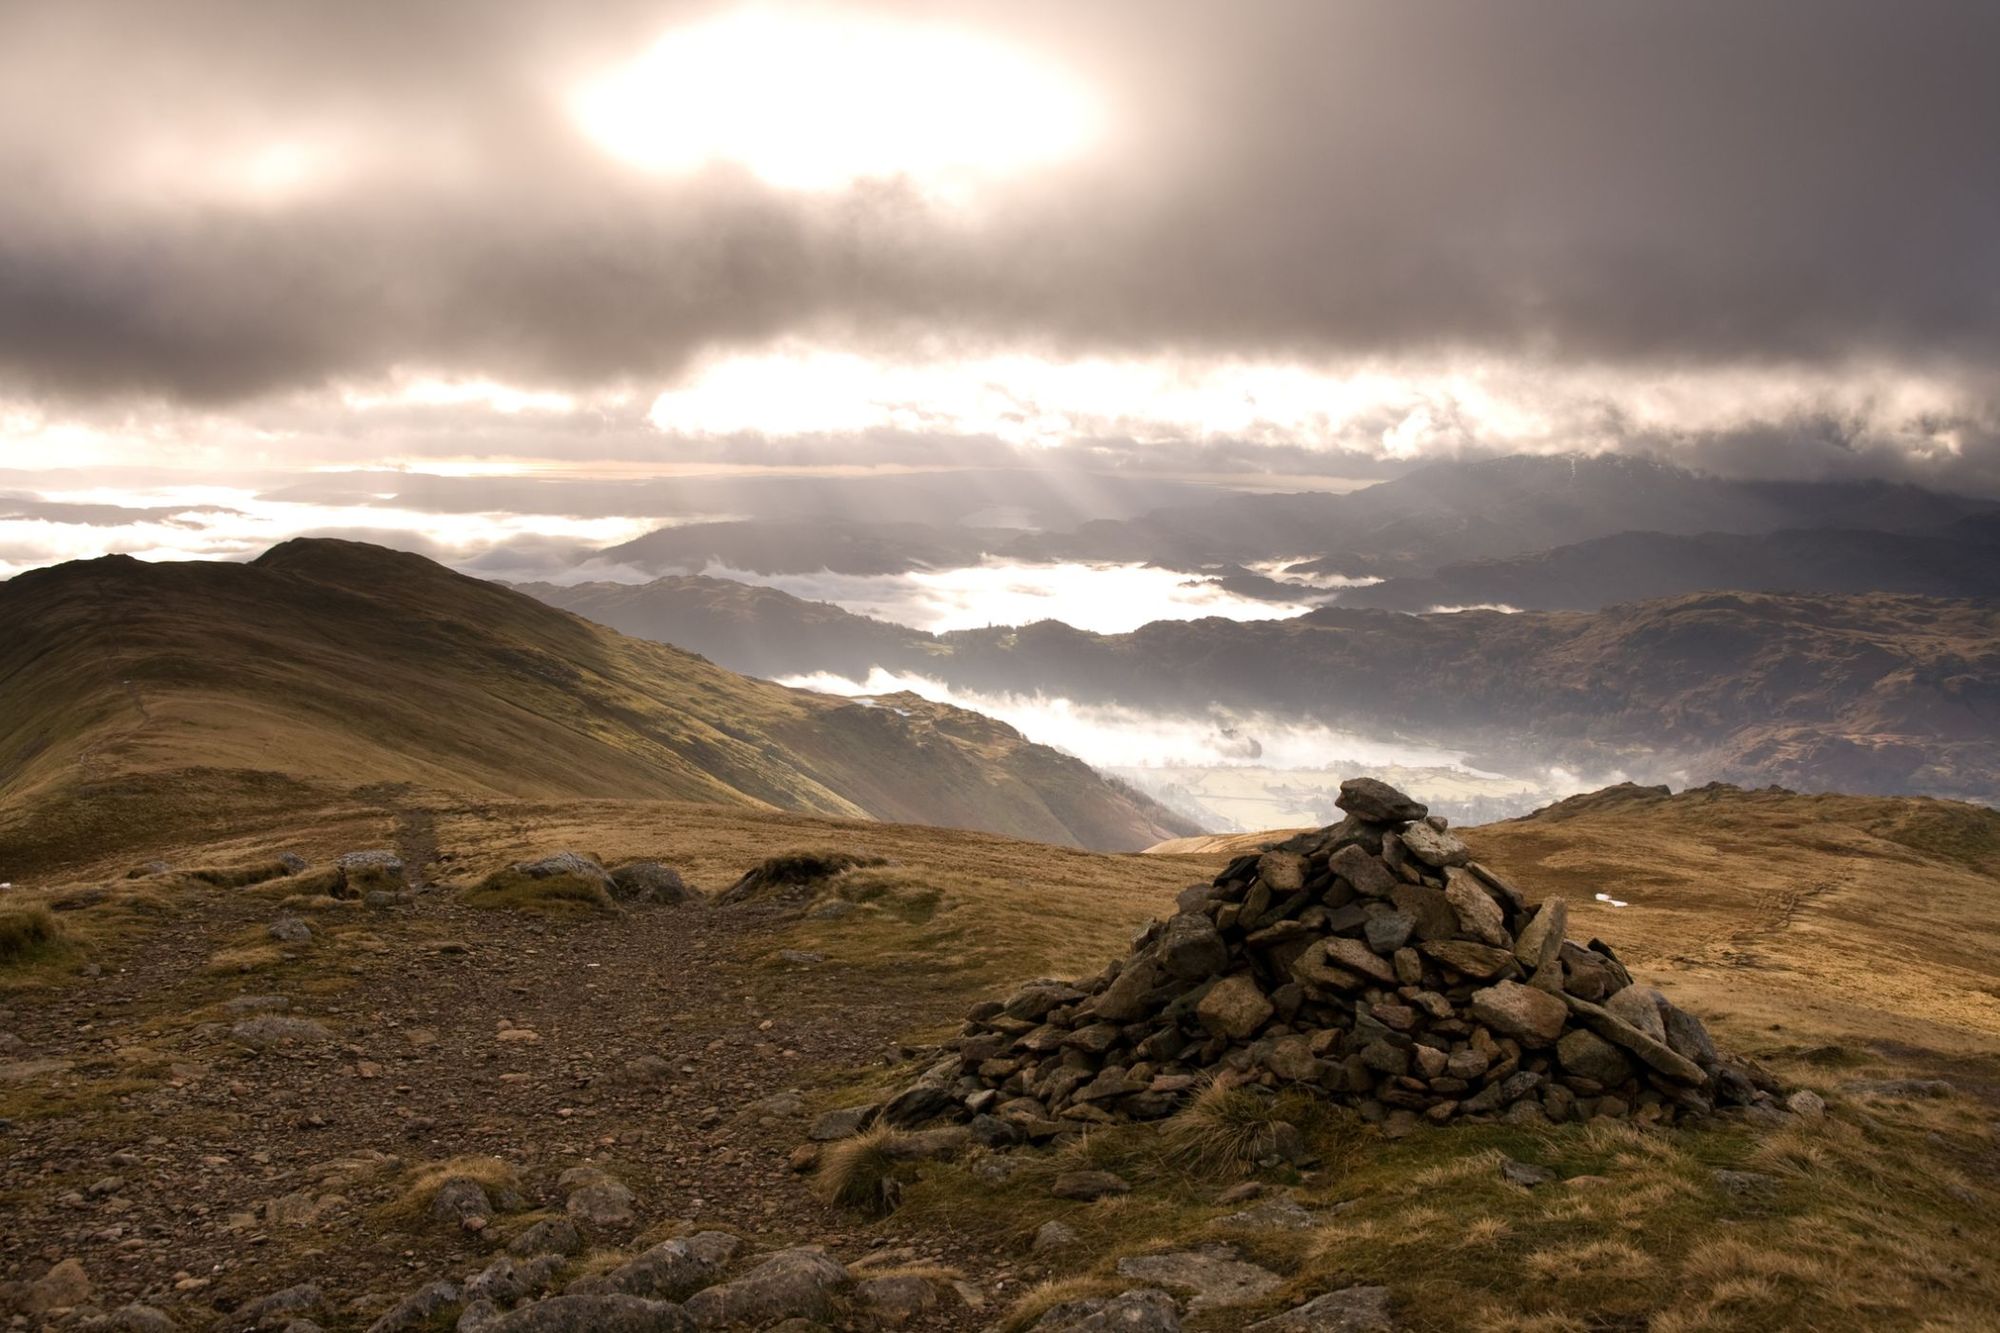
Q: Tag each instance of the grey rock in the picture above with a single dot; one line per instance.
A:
(289, 930)
(1349, 1310)
(1051, 1237)
(1620, 1033)
(1525, 1174)
(894, 1301)
(1529, 1016)
(1274, 1215)
(460, 1200)
(1478, 913)
(594, 1314)
(1087, 1185)
(551, 1235)
(672, 1270)
(1214, 1275)
(270, 1031)
(1588, 1055)
(1640, 1006)
(1434, 847)
(843, 1123)
(1806, 1105)
(1234, 1007)
(1377, 802)
(135, 1319)
(1388, 932)
(917, 1104)
(1688, 1038)
(597, 1201)
(417, 1309)
(1131, 991)
(1190, 948)
(271, 1312)
(1139, 1311)
(792, 1284)
(1370, 878)
(505, 1281)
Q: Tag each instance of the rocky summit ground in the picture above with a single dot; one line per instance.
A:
(247, 1104)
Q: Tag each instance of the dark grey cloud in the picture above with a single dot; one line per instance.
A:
(1664, 184)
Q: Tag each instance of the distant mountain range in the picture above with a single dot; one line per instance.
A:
(1962, 560)
(1868, 692)
(1440, 515)
(324, 666)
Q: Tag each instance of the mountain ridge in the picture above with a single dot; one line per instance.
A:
(339, 664)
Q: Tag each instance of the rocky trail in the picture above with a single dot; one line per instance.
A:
(204, 1140)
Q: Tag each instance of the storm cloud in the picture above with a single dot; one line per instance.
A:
(1705, 183)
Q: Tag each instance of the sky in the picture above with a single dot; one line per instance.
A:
(248, 244)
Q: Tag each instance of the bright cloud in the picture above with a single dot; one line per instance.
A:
(815, 101)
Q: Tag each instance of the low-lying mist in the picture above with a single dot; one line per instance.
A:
(1236, 771)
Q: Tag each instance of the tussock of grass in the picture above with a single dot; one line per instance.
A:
(1043, 1297)
(247, 958)
(30, 935)
(514, 890)
(238, 877)
(414, 1202)
(1224, 1129)
(792, 873)
(862, 1172)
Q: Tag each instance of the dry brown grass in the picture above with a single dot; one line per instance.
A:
(861, 1172)
(30, 935)
(413, 1202)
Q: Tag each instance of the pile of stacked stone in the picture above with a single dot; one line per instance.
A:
(1372, 961)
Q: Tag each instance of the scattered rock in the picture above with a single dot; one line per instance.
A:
(1525, 1174)
(1350, 1310)
(274, 1312)
(551, 1235)
(63, 1286)
(1087, 1185)
(1138, 1311)
(1215, 1276)
(596, 1200)
(1274, 1215)
(1052, 1237)
(1806, 1104)
(894, 1301)
(289, 930)
(273, 1031)
(798, 1283)
(417, 1309)
(844, 1123)
(461, 1202)
(592, 1314)
(670, 1271)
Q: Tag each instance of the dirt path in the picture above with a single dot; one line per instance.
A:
(175, 1140)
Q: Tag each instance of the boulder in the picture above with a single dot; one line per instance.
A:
(1234, 1007)
(1349, 1310)
(1214, 1276)
(1190, 948)
(1377, 802)
(1435, 848)
(1587, 1055)
(63, 1286)
(1479, 916)
(593, 1314)
(1529, 1016)
(1139, 1311)
(799, 1283)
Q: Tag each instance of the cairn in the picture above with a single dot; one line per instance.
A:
(1373, 962)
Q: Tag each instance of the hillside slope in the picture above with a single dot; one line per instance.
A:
(331, 665)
